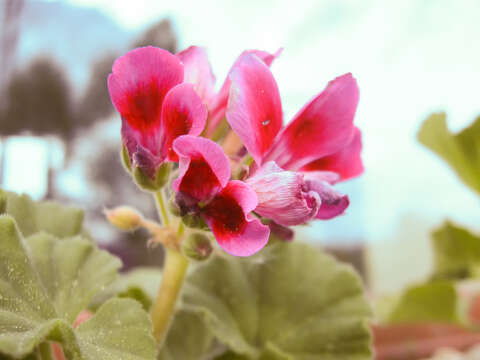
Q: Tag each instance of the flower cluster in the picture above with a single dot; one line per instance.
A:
(258, 175)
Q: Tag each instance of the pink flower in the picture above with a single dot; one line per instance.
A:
(203, 188)
(199, 72)
(146, 87)
(320, 138)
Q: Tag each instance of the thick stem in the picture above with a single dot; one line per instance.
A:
(172, 278)
(44, 351)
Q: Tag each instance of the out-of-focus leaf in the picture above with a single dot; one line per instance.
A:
(140, 284)
(431, 302)
(461, 151)
(53, 218)
(187, 339)
(45, 282)
(456, 252)
(290, 301)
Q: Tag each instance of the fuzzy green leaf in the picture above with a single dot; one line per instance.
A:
(456, 252)
(431, 302)
(461, 151)
(45, 282)
(287, 302)
(32, 217)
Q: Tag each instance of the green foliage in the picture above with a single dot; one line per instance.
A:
(456, 252)
(430, 302)
(461, 151)
(288, 302)
(50, 276)
(32, 217)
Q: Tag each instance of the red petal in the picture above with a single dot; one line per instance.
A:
(139, 82)
(227, 215)
(182, 113)
(347, 162)
(254, 108)
(203, 167)
(198, 72)
(322, 127)
(217, 110)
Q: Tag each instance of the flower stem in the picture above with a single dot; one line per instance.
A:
(162, 208)
(172, 278)
(174, 270)
(44, 351)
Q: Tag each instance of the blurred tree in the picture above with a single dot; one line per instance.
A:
(160, 34)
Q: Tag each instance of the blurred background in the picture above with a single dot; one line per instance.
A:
(60, 138)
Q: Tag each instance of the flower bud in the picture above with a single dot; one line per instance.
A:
(194, 221)
(124, 217)
(148, 183)
(197, 246)
(173, 206)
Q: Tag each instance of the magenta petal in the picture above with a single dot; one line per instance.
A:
(254, 108)
(198, 72)
(237, 232)
(283, 195)
(322, 127)
(182, 113)
(203, 167)
(333, 204)
(347, 162)
(139, 82)
(219, 105)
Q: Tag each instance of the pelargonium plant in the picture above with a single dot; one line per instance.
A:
(229, 179)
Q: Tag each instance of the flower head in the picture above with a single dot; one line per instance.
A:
(146, 86)
(203, 188)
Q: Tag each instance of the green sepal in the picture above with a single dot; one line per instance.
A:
(161, 178)
(125, 158)
(194, 221)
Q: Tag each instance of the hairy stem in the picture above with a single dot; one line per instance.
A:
(172, 279)
(174, 270)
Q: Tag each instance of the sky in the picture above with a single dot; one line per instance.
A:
(409, 57)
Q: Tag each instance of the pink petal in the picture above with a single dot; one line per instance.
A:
(138, 84)
(203, 167)
(219, 105)
(198, 72)
(322, 127)
(237, 232)
(333, 202)
(347, 162)
(182, 113)
(254, 108)
(283, 196)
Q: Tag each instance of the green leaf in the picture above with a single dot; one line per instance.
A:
(45, 282)
(32, 217)
(456, 252)
(431, 302)
(187, 339)
(461, 151)
(290, 301)
(140, 284)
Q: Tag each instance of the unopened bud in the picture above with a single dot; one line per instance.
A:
(194, 221)
(124, 217)
(197, 246)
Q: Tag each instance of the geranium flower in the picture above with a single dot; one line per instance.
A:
(199, 72)
(148, 90)
(318, 148)
(203, 187)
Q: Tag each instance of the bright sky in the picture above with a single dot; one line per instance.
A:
(409, 57)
